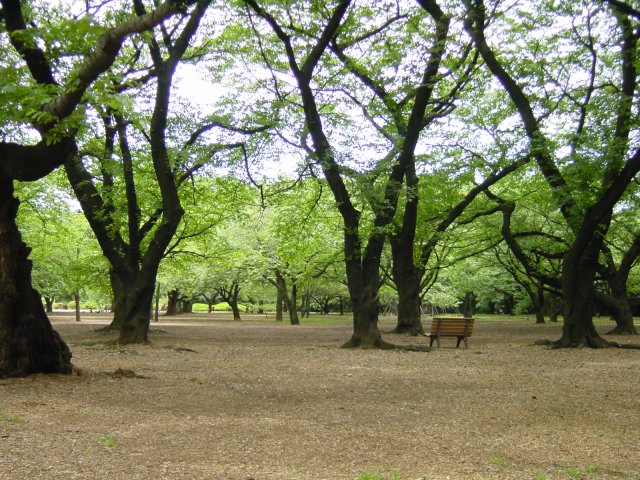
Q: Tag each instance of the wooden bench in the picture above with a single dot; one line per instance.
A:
(460, 327)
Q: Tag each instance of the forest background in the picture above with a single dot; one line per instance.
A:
(342, 156)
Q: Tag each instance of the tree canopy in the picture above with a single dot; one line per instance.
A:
(332, 150)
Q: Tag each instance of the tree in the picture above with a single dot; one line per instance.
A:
(598, 149)
(405, 125)
(44, 99)
(299, 240)
(135, 249)
(625, 249)
(534, 237)
(380, 184)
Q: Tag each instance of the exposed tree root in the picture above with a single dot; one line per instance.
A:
(133, 341)
(594, 343)
(623, 330)
(378, 343)
(106, 329)
(628, 346)
(382, 345)
(584, 342)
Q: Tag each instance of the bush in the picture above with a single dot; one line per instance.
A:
(200, 307)
(89, 305)
(224, 307)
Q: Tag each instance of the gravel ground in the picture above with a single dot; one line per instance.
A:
(217, 399)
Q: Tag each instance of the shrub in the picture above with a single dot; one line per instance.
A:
(200, 307)
(89, 305)
(222, 307)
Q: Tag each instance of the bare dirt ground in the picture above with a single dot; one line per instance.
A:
(255, 399)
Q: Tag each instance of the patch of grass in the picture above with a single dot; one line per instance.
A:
(572, 472)
(10, 418)
(328, 319)
(371, 475)
(222, 465)
(540, 476)
(108, 441)
(495, 459)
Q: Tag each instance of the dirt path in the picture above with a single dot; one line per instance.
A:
(255, 399)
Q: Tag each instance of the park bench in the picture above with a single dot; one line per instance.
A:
(460, 327)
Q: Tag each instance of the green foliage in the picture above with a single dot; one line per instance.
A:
(374, 475)
(225, 307)
(65, 254)
(579, 473)
(108, 441)
(496, 459)
(9, 417)
(200, 307)
(232, 233)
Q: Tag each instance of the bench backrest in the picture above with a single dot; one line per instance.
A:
(452, 326)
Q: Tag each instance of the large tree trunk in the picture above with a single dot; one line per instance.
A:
(233, 300)
(405, 274)
(186, 305)
(366, 334)
(172, 302)
(622, 315)
(48, 301)
(409, 316)
(365, 329)
(235, 310)
(230, 295)
(28, 343)
(578, 272)
(469, 304)
(293, 305)
(132, 307)
(617, 302)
